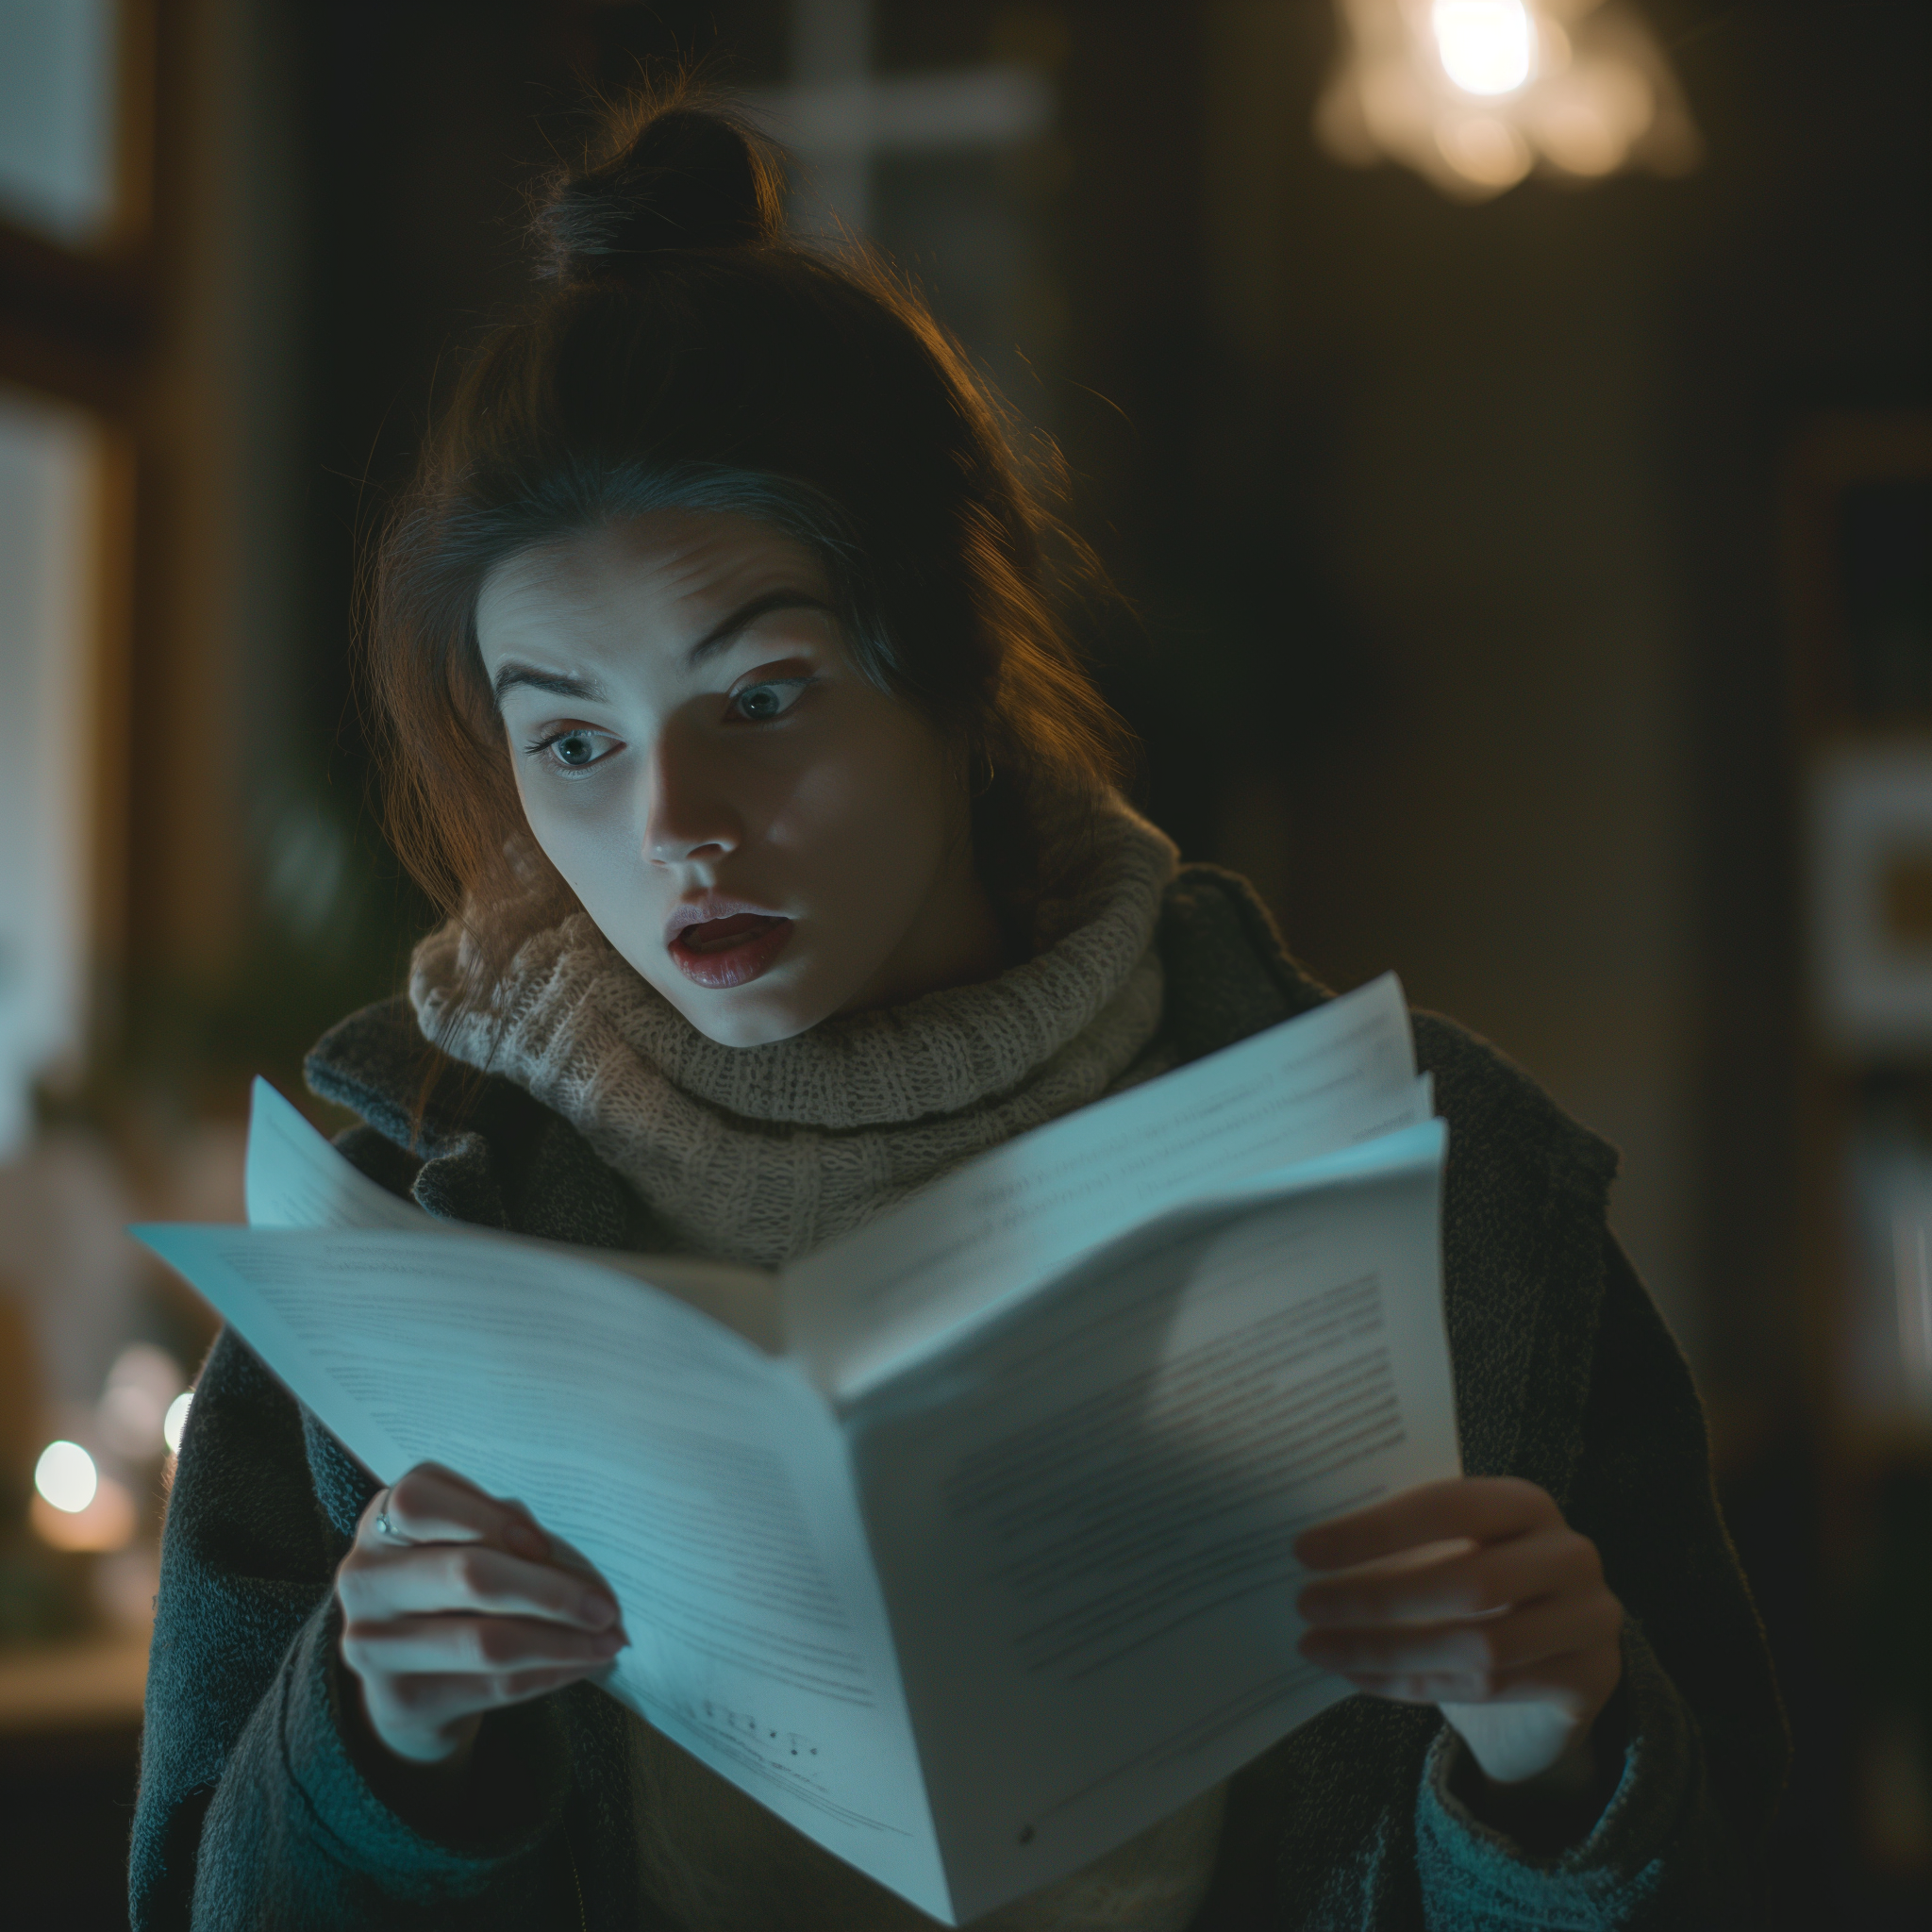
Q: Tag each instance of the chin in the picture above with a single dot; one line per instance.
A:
(750, 1029)
(746, 1015)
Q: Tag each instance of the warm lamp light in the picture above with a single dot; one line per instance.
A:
(1477, 94)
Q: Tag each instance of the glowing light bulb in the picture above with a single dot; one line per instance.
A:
(1476, 94)
(66, 1476)
(1486, 47)
(176, 1420)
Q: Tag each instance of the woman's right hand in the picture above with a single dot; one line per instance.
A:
(457, 1605)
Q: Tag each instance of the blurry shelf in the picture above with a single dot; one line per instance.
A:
(1857, 510)
(86, 1683)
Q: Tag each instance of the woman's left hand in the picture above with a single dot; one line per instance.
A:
(1476, 1596)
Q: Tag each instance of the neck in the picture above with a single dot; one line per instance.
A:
(957, 941)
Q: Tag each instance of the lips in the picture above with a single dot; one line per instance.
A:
(719, 935)
(717, 944)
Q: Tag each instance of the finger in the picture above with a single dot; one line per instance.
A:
(419, 1578)
(483, 1647)
(1466, 1582)
(428, 1702)
(1490, 1648)
(1480, 1508)
(567, 1556)
(1533, 1685)
(431, 1504)
(1554, 1628)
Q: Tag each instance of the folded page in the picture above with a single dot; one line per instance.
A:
(708, 1483)
(1084, 1517)
(296, 1178)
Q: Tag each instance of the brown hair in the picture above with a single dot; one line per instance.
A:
(687, 352)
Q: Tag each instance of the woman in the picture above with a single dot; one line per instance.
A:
(732, 715)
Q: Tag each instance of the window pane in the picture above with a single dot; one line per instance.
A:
(48, 459)
(57, 116)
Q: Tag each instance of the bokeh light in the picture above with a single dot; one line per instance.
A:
(66, 1476)
(176, 1420)
(140, 1385)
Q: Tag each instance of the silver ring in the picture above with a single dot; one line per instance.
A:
(384, 1526)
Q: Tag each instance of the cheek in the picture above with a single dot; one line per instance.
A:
(870, 822)
(585, 832)
(554, 826)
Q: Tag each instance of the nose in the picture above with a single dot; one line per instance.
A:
(689, 818)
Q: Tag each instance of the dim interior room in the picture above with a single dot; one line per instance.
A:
(1510, 424)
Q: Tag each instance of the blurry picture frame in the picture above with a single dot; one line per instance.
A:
(1857, 549)
(1871, 896)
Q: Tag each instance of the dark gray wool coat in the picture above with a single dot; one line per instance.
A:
(252, 1813)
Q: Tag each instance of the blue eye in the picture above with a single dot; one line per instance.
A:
(573, 750)
(771, 699)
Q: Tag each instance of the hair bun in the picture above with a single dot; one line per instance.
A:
(672, 177)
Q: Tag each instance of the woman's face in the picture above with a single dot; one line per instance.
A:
(768, 838)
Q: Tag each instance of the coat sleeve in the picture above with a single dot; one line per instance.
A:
(1706, 1742)
(251, 1809)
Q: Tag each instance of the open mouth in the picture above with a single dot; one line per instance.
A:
(728, 952)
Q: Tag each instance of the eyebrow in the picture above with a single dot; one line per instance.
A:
(746, 615)
(583, 689)
(587, 691)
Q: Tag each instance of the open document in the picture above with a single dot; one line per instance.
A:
(965, 1544)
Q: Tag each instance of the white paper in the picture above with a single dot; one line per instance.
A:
(964, 1657)
(706, 1482)
(1083, 1516)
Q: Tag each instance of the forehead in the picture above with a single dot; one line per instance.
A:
(666, 576)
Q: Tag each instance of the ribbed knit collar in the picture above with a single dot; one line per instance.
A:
(907, 1090)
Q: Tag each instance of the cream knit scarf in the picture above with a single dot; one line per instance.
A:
(760, 1154)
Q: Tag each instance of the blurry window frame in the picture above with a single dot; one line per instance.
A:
(75, 322)
(77, 326)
